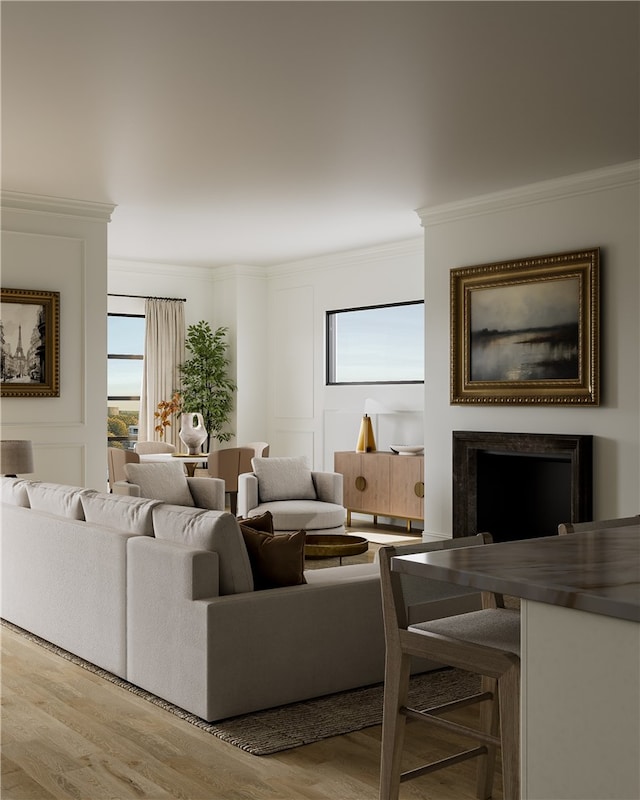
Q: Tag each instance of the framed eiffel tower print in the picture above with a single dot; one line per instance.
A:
(30, 343)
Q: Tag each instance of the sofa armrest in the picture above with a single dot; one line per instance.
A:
(328, 486)
(247, 493)
(166, 620)
(124, 487)
(207, 492)
(222, 656)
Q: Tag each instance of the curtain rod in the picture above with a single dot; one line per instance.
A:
(144, 297)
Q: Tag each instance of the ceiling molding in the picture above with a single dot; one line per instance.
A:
(349, 258)
(86, 209)
(156, 269)
(545, 191)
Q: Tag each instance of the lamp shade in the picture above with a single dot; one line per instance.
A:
(16, 456)
(372, 406)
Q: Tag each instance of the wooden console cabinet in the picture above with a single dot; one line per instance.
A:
(382, 484)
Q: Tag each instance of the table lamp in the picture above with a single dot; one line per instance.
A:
(366, 440)
(16, 456)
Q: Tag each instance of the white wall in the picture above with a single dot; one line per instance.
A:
(60, 245)
(599, 209)
(307, 417)
(165, 280)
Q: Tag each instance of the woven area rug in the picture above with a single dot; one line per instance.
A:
(273, 730)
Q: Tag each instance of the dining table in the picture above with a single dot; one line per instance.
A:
(579, 597)
(190, 461)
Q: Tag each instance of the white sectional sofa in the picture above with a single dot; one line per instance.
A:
(163, 596)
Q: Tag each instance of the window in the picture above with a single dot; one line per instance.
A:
(376, 344)
(125, 352)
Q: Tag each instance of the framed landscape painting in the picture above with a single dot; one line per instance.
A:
(526, 332)
(30, 340)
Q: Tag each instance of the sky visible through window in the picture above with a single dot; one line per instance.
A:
(383, 344)
(125, 336)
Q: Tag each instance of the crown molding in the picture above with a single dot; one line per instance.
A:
(157, 268)
(86, 209)
(238, 271)
(542, 192)
(179, 271)
(349, 258)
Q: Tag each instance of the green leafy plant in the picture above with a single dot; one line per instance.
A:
(206, 386)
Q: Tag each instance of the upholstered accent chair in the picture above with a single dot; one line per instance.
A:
(297, 497)
(116, 459)
(147, 448)
(227, 464)
(157, 480)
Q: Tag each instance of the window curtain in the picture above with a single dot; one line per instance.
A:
(164, 352)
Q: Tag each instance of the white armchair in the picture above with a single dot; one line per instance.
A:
(297, 497)
(167, 482)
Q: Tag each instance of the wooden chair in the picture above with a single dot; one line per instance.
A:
(580, 527)
(485, 642)
(260, 449)
(116, 459)
(228, 464)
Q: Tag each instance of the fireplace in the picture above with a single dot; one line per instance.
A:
(520, 485)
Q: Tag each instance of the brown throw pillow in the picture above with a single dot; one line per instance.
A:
(276, 560)
(264, 522)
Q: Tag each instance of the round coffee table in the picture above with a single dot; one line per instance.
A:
(332, 545)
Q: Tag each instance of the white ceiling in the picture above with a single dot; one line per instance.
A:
(264, 132)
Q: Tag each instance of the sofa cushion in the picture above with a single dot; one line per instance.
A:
(54, 498)
(276, 560)
(128, 514)
(283, 479)
(14, 492)
(161, 481)
(216, 531)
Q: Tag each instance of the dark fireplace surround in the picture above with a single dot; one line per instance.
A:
(520, 485)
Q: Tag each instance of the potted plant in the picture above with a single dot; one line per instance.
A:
(207, 388)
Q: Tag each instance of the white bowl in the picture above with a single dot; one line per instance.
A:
(407, 449)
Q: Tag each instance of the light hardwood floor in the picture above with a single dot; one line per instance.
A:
(67, 733)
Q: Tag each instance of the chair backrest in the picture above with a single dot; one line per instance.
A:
(228, 464)
(260, 449)
(407, 600)
(580, 527)
(116, 459)
(145, 448)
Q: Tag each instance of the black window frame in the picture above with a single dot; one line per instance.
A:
(330, 345)
(124, 357)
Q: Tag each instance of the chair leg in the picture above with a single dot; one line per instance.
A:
(509, 695)
(396, 688)
(233, 503)
(489, 723)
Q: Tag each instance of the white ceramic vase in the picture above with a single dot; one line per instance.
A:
(192, 436)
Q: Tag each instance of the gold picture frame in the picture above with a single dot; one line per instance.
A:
(526, 332)
(30, 342)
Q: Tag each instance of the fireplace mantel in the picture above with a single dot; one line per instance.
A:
(472, 448)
